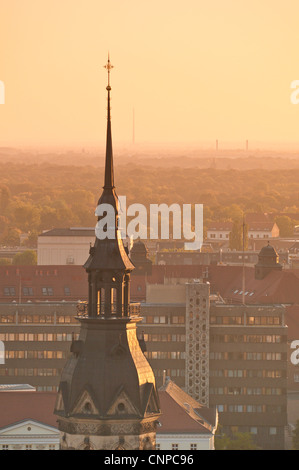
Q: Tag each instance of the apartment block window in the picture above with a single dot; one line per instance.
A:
(10, 291)
(27, 291)
(28, 447)
(272, 431)
(174, 447)
(178, 319)
(155, 319)
(158, 447)
(7, 318)
(193, 446)
(235, 408)
(159, 319)
(47, 291)
(67, 291)
(5, 447)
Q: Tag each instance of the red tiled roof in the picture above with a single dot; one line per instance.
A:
(220, 226)
(19, 406)
(39, 406)
(175, 418)
(37, 277)
(276, 287)
(181, 413)
(261, 226)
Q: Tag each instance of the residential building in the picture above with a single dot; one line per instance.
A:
(231, 356)
(27, 284)
(64, 246)
(36, 339)
(185, 424)
(27, 421)
(263, 230)
(219, 231)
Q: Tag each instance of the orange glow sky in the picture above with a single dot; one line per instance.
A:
(193, 70)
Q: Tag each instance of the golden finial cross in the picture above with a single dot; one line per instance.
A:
(108, 67)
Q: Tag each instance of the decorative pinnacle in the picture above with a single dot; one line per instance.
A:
(108, 67)
(109, 173)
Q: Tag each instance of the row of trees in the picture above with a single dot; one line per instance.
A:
(245, 441)
(36, 197)
(25, 258)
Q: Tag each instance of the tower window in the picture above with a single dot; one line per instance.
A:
(87, 407)
(121, 407)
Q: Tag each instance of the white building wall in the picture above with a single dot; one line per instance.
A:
(63, 250)
(29, 435)
(218, 235)
(185, 441)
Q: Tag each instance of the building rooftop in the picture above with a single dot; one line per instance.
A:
(16, 406)
(69, 232)
(181, 413)
(16, 387)
(221, 226)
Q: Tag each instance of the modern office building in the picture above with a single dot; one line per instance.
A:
(36, 339)
(246, 373)
(248, 370)
(230, 356)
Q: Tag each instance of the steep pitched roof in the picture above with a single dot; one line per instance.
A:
(220, 226)
(276, 287)
(261, 226)
(181, 413)
(23, 405)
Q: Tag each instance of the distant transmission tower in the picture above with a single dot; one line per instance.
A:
(133, 136)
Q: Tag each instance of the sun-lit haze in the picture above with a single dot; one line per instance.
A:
(191, 71)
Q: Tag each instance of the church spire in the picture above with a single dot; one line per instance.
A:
(107, 397)
(109, 171)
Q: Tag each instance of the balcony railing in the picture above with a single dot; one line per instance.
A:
(113, 311)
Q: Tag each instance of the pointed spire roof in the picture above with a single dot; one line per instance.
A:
(109, 254)
(109, 171)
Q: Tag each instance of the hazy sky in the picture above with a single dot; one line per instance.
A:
(193, 70)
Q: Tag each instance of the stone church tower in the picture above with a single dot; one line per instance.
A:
(107, 397)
